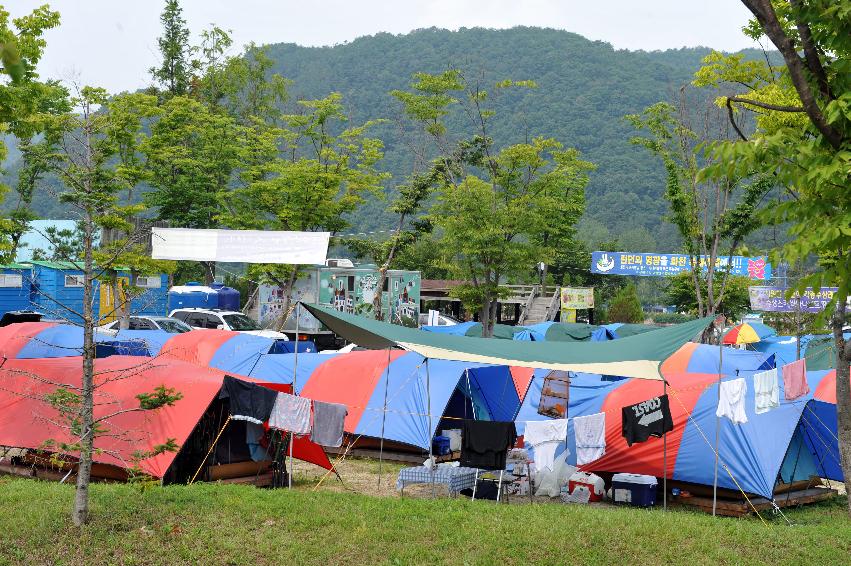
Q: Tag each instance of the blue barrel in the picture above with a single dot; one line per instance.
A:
(228, 297)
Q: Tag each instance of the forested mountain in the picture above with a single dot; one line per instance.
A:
(584, 90)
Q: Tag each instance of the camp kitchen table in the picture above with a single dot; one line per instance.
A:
(454, 478)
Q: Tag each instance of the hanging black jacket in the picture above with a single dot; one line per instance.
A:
(485, 444)
(248, 401)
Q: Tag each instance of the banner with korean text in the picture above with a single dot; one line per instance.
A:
(655, 265)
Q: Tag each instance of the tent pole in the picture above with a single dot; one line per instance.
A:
(430, 443)
(383, 418)
(664, 456)
(718, 420)
(295, 373)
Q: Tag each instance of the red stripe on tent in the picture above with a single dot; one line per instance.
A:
(349, 380)
(15, 336)
(522, 377)
(684, 390)
(826, 390)
(197, 346)
(678, 361)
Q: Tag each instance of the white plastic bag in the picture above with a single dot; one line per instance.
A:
(549, 483)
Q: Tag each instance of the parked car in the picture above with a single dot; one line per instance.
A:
(223, 320)
(170, 325)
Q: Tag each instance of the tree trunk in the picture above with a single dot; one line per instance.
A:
(843, 394)
(379, 293)
(209, 272)
(288, 300)
(485, 319)
(122, 307)
(80, 514)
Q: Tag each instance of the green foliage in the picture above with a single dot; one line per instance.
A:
(191, 156)
(626, 306)
(713, 216)
(174, 72)
(734, 304)
(162, 396)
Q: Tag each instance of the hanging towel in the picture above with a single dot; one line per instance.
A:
(485, 444)
(328, 419)
(766, 391)
(254, 434)
(248, 402)
(590, 432)
(795, 380)
(291, 413)
(732, 401)
(648, 418)
(544, 437)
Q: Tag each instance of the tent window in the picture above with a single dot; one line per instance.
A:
(555, 395)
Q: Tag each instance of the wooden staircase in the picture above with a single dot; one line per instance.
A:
(541, 305)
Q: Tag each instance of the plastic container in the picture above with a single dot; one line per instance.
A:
(228, 297)
(634, 489)
(593, 482)
(454, 435)
(440, 445)
(192, 295)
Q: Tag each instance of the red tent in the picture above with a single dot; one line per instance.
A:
(27, 421)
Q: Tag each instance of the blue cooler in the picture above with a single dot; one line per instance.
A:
(634, 489)
(440, 445)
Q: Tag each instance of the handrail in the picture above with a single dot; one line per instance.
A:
(551, 310)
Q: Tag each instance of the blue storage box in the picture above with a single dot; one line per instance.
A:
(637, 490)
(440, 445)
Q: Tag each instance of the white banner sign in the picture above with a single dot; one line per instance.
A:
(243, 246)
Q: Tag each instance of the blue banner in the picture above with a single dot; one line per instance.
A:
(655, 265)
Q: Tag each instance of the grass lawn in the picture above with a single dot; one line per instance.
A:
(230, 524)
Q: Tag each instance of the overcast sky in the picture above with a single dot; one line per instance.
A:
(112, 43)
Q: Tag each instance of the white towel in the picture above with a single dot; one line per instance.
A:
(291, 413)
(766, 391)
(732, 400)
(590, 433)
(544, 437)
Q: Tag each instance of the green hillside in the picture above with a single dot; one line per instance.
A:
(585, 89)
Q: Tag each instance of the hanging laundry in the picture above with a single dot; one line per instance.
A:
(731, 403)
(766, 391)
(254, 434)
(291, 413)
(795, 380)
(590, 433)
(248, 401)
(648, 418)
(485, 444)
(545, 437)
(328, 419)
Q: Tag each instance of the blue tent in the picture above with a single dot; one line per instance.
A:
(792, 442)
(64, 340)
(362, 380)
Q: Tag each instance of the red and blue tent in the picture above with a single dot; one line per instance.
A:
(363, 380)
(792, 442)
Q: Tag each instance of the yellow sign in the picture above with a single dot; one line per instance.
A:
(577, 298)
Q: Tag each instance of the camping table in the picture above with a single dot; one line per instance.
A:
(454, 478)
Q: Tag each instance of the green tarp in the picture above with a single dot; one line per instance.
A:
(637, 356)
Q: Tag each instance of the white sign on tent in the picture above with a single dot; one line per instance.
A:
(248, 246)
